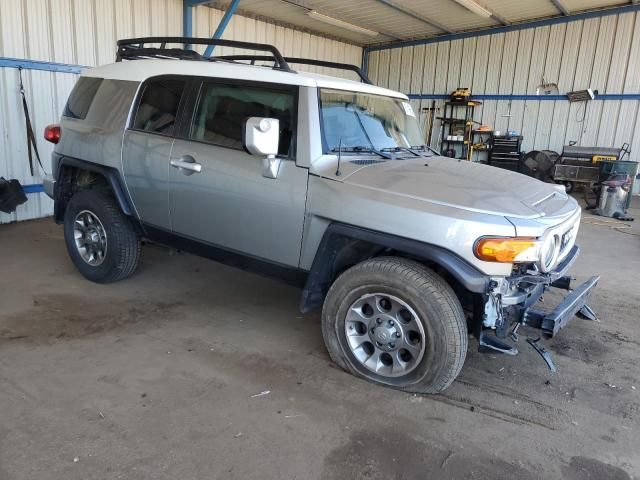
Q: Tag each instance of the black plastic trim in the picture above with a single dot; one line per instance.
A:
(302, 61)
(277, 271)
(339, 236)
(110, 174)
(133, 48)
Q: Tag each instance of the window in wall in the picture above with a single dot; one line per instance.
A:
(223, 109)
(158, 107)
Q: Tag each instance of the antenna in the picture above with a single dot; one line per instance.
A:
(339, 157)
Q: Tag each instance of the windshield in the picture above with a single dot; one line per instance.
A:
(356, 119)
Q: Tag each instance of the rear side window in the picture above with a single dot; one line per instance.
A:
(223, 109)
(158, 106)
(81, 97)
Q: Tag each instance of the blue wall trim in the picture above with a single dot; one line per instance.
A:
(38, 65)
(510, 28)
(605, 96)
(33, 188)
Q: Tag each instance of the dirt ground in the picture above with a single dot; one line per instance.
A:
(193, 370)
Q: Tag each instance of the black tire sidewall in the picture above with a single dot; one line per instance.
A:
(95, 202)
(429, 308)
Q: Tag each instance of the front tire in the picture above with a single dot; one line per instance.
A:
(100, 239)
(395, 322)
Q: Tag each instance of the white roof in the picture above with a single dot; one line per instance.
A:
(140, 70)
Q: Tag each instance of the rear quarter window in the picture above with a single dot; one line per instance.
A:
(81, 97)
(158, 108)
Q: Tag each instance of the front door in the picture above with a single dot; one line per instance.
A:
(221, 197)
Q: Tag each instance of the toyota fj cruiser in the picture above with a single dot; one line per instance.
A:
(322, 182)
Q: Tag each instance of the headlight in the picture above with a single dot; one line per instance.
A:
(508, 249)
(543, 252)
(549, 253)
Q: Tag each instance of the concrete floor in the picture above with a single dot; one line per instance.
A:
(160, 377)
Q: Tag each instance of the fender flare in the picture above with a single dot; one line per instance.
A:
(111, 175)
(339, 236)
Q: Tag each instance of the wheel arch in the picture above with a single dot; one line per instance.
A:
(343, 246)
(71, 169)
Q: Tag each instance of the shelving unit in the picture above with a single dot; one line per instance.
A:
(457, 130)
(481, 144)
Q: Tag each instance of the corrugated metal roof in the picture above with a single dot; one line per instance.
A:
(388, 19)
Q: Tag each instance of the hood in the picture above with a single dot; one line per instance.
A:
(458, 184)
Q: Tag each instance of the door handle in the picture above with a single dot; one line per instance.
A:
(187, 164)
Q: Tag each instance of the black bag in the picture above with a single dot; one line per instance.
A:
(11, 195)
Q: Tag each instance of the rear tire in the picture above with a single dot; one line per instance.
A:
(423, 342)
(100, 239)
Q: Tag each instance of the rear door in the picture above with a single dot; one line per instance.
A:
(147, 147)
(228, 203)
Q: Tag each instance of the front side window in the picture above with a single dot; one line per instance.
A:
(223, 109)
(363, 120)
(81, 97)
(158, 106)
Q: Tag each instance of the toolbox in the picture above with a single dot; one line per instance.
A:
(505, 152)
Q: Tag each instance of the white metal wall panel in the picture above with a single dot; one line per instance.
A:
(84, 32)
(628, 121)
(599, 53)
(582, 79)
(467, 65)
(565, 81)
(81, 32)
(455, 59)
(521, 78)
(492, 83)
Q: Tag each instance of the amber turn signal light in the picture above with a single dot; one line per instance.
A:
(507, 250)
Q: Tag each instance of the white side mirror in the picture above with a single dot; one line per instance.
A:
(262, 135)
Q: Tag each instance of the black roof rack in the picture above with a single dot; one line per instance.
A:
(302, 61)
(134, 48)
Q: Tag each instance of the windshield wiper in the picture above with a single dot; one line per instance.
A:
(425, 148)
(402, 149)
(363, 149)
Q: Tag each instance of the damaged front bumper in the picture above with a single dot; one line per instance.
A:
(510, 302)
(551, 323)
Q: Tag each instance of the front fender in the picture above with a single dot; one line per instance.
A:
(339, 241)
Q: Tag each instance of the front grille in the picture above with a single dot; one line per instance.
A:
(568, 233)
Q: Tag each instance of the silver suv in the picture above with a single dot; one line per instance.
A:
(322, 182)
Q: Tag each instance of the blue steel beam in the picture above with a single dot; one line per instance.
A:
(33, 188)
(187, 16)
(39, 65)
(222, 25)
